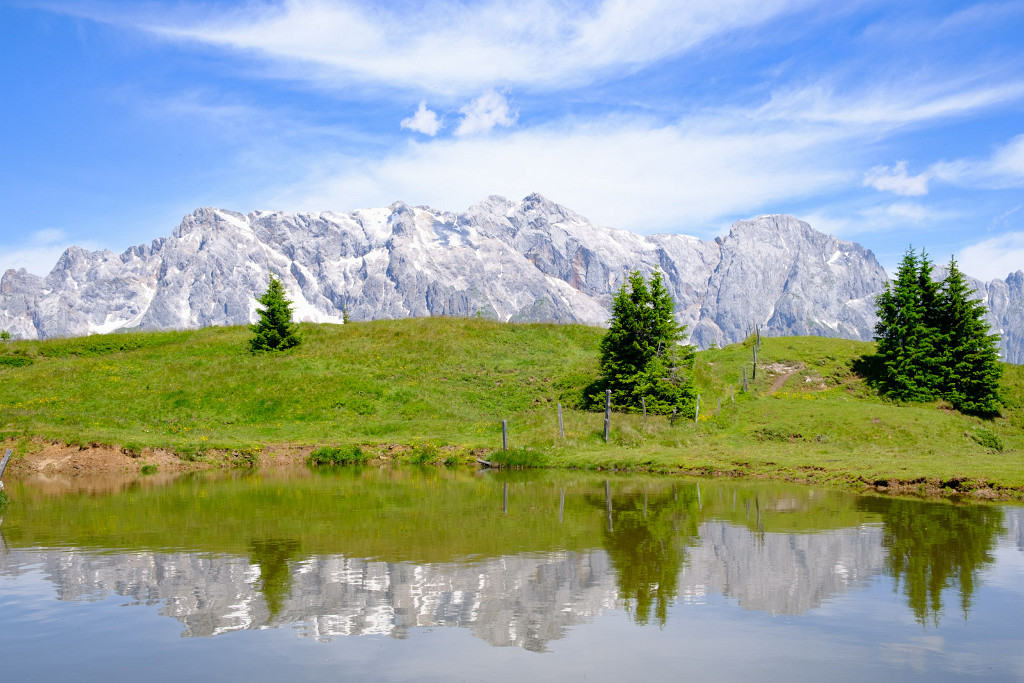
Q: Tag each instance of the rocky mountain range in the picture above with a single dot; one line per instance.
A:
(531, 260)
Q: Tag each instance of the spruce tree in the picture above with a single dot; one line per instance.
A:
(275, 330)
(970, 354)
(933, 340)
(904, 340)
(930, 334)
(641, 355)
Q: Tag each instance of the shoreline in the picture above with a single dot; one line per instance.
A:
(59, 459)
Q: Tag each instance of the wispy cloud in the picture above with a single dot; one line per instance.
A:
(895, 179)
(456, 47)
(423, 121)
(908, 102)
(1004, 168)
(995, 257)
(618, 171)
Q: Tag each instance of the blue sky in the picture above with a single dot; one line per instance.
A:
(887, 123)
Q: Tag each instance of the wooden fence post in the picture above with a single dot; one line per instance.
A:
(3, 463)
(607, 414)
(504, 436)
(643, 402)
(696, 410)
(561, 427)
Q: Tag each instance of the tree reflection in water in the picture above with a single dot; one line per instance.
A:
(275, 582)
(934, 546)
(646, 539)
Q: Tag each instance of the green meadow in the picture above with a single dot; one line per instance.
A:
(440, 388)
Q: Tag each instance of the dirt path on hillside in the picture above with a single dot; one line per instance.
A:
(783, 372)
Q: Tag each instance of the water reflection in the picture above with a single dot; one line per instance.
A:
(935, 546)
(516, 559)
(646, 540)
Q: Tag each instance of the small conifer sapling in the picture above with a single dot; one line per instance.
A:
(275, 330)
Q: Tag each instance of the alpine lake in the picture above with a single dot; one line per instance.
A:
(436, 574)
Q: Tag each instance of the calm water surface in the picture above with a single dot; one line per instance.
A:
(404, 574)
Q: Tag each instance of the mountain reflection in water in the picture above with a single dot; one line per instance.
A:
(385, 551)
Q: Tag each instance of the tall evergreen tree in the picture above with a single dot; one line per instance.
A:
(275, 330)
(970, 354)
(933, 340)
(904, 340)
(930, 334)
(641, 355)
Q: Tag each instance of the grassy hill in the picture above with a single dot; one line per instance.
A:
(442, 386)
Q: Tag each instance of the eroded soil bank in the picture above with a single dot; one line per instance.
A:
(60, 460)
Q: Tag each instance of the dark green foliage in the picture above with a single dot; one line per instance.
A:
(933, 340)
(641, 356)
(987, 439)
(96, 345)
(5, 335)
(5, 500)
(15, 361)
(970, 354)
(275, 330)
(327, 455)
(905, 340)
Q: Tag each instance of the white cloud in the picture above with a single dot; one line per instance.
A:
(423, 121)
(896, 180)
(994, 258)
(484, 113)
(456, 47)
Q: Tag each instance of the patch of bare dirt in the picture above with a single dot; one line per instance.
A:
(65, 459)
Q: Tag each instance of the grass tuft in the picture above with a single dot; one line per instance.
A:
(338, 455)
(518, 458)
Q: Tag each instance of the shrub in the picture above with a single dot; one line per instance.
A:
(15, 361)
(518, 458)
(987, 439)
(337, 455)
(423, 454)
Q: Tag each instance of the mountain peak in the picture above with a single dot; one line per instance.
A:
(531, 260)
